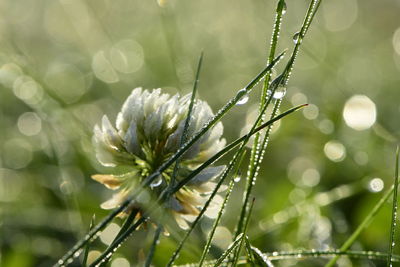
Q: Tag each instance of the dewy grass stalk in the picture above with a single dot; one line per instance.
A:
(394, 210)
(259, 146)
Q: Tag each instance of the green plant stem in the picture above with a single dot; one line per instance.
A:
(229, 250)
(108, 252)
(215, 224)
(187, 120)
(394, 210)
(237, 252)
(307, 254)
(258, 150)
(152, 250)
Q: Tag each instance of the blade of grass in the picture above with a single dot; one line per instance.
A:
(306, 254)
(239, 154)
(250, 256)
(187, 121)
(176, 167)
(394, 210)
(114, 246)
(216, 223)
(74, 251)
(237, 252)
(203, 210)
(157, 234)
(231, 247)
(87, 247)
(258, 150)
(128, 222)
(262, 259)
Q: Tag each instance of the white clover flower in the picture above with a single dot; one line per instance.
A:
(148, 131)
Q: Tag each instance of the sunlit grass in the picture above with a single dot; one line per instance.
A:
(88, 55)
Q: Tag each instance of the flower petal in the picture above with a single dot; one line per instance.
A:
(110, 181)
(131, 140)
(206, 175)
(115, 201)
(110, 135)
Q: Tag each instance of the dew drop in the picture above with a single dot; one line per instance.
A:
(296, 37)
(236, 179)
(244, 97)
(280, 92)
(157, 182)
(282, 7)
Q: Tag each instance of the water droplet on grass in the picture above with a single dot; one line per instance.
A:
(296, 37)
(280, 92)
(244, 97)
(282, 7)
(157, 182)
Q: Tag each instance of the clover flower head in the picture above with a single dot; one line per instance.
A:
(147, 132)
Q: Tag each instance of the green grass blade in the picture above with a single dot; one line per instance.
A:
(280, 9)
(237, 252)
(306, 254)
(128, 222)
(152, 250)
(309, 254)
(394, 210)
(87, 247)
(216, 223)
(239, 154)
(250, 256)
(105, 256)
(257, 149)
(231, 247)
(187, 120)
(262, 259)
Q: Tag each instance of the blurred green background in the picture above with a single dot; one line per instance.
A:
(65, 63)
